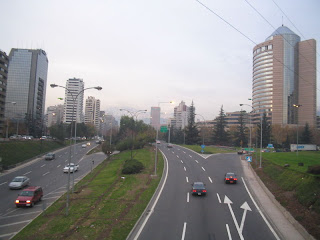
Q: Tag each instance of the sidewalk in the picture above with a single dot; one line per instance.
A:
(280, 218)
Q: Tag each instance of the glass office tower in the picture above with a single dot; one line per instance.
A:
(27, 81)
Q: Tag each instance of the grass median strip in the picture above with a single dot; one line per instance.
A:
(106, 204)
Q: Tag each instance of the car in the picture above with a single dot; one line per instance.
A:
(29, 196)
(84, 145)
(88, 144)
(198, 188)
(240, 152)
(230, 178)
(169, 145)
(49, 156)
(19, 182)
(158, 142)
(73, 168)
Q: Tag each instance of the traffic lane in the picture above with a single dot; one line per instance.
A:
(166, 222)
(237, 193)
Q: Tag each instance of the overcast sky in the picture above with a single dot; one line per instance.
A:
(142, 52)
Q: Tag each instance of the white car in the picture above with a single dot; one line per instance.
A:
(84, 145)
(19, 182)
(73, 168)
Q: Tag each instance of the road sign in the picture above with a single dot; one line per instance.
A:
(163, 129)
(203, 146)
(249, 158)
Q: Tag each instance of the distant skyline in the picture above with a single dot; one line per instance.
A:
(144, 52)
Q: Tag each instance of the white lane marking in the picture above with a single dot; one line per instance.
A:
(183, 151)
(184, 230)
(18, 215)
(58, 166)
(43, 165)
(210, 179)
(190, 156)
(181, 161)
(218, 198)
(155, 202)
(187, 179)
(66, 160)
(7, 235)
(196, 161)
(178, 156)
(3, 183)
(51, 198)
(228, 231)
(203, 169)
(45, 174)
(185, 168)
(27, 173)
(7, 225)
(229, 202)
(264, 218)
(188, 197)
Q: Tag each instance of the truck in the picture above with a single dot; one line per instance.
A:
(303, 147)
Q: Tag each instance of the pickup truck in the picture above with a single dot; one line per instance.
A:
(73, 168)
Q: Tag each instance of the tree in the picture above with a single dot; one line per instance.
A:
(192, 133)
(241, 138)
(306, 137)
(220, 135)
(266, 131)
(58, 131)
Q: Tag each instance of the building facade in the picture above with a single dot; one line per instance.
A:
(92, 112)
(73, 101)
(180, 116)
(155, 117)
(55, 115)
(27, 83)
(4, 63)
(284, 75)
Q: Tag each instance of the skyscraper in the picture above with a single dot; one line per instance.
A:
(180, 116)
(92, 112)
(284, 75)
(4, 61)
(27, 83)
(155, 117)
(73, 102)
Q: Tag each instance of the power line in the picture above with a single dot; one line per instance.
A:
(209, 9)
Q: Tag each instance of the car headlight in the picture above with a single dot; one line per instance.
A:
(17, 201)
(28, 201)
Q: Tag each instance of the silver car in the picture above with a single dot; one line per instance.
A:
(19, 182)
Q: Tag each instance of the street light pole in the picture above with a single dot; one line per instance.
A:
(69, 158)
(205, 123)
(297, 106)
(14, 103)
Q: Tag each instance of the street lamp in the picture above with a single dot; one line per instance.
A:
(133, 114)
(74, 98)
(297, 106)
(157, 136)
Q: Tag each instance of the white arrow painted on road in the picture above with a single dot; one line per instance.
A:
(246, 208)
(229, 202)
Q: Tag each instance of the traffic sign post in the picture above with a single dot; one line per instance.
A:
(202, 148)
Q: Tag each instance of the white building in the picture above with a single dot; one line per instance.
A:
(155, 117)
(92, 112)
(73, 102)
(54, 115)
(180, 116)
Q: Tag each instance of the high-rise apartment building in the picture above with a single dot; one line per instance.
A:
(92, 112)
(284, 75)
(155, 117)
(180, 116)
(73, 102)
(54, 115)
(27, 83)
(4, 61)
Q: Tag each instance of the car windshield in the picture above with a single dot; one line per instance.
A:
(198, 186)
(26, 193)
(17, 179)
(70, 165)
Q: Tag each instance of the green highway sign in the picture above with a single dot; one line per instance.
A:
(163, 129)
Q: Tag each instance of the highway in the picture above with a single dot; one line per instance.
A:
(49, 175)
(228, 211)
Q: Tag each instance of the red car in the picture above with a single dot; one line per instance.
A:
(29, 196)
(230, 178)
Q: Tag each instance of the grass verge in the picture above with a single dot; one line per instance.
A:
(104, 205)
(209, 149)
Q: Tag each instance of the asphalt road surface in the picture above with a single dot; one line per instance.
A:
(228, 211)
(49, 175)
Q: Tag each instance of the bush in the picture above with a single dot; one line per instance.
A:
(132, 166)
(314, 169)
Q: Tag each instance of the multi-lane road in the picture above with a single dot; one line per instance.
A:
(228, 211)
(47, 174)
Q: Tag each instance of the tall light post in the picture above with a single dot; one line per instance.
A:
(157, 136)
(133, 114)
(297, 106)
(7, 128)
(74, 98)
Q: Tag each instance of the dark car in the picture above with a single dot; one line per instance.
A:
(230, 178)
(29, 196)
(198, 188)
(49, 156)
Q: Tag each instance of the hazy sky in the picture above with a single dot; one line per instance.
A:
(142, 52)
